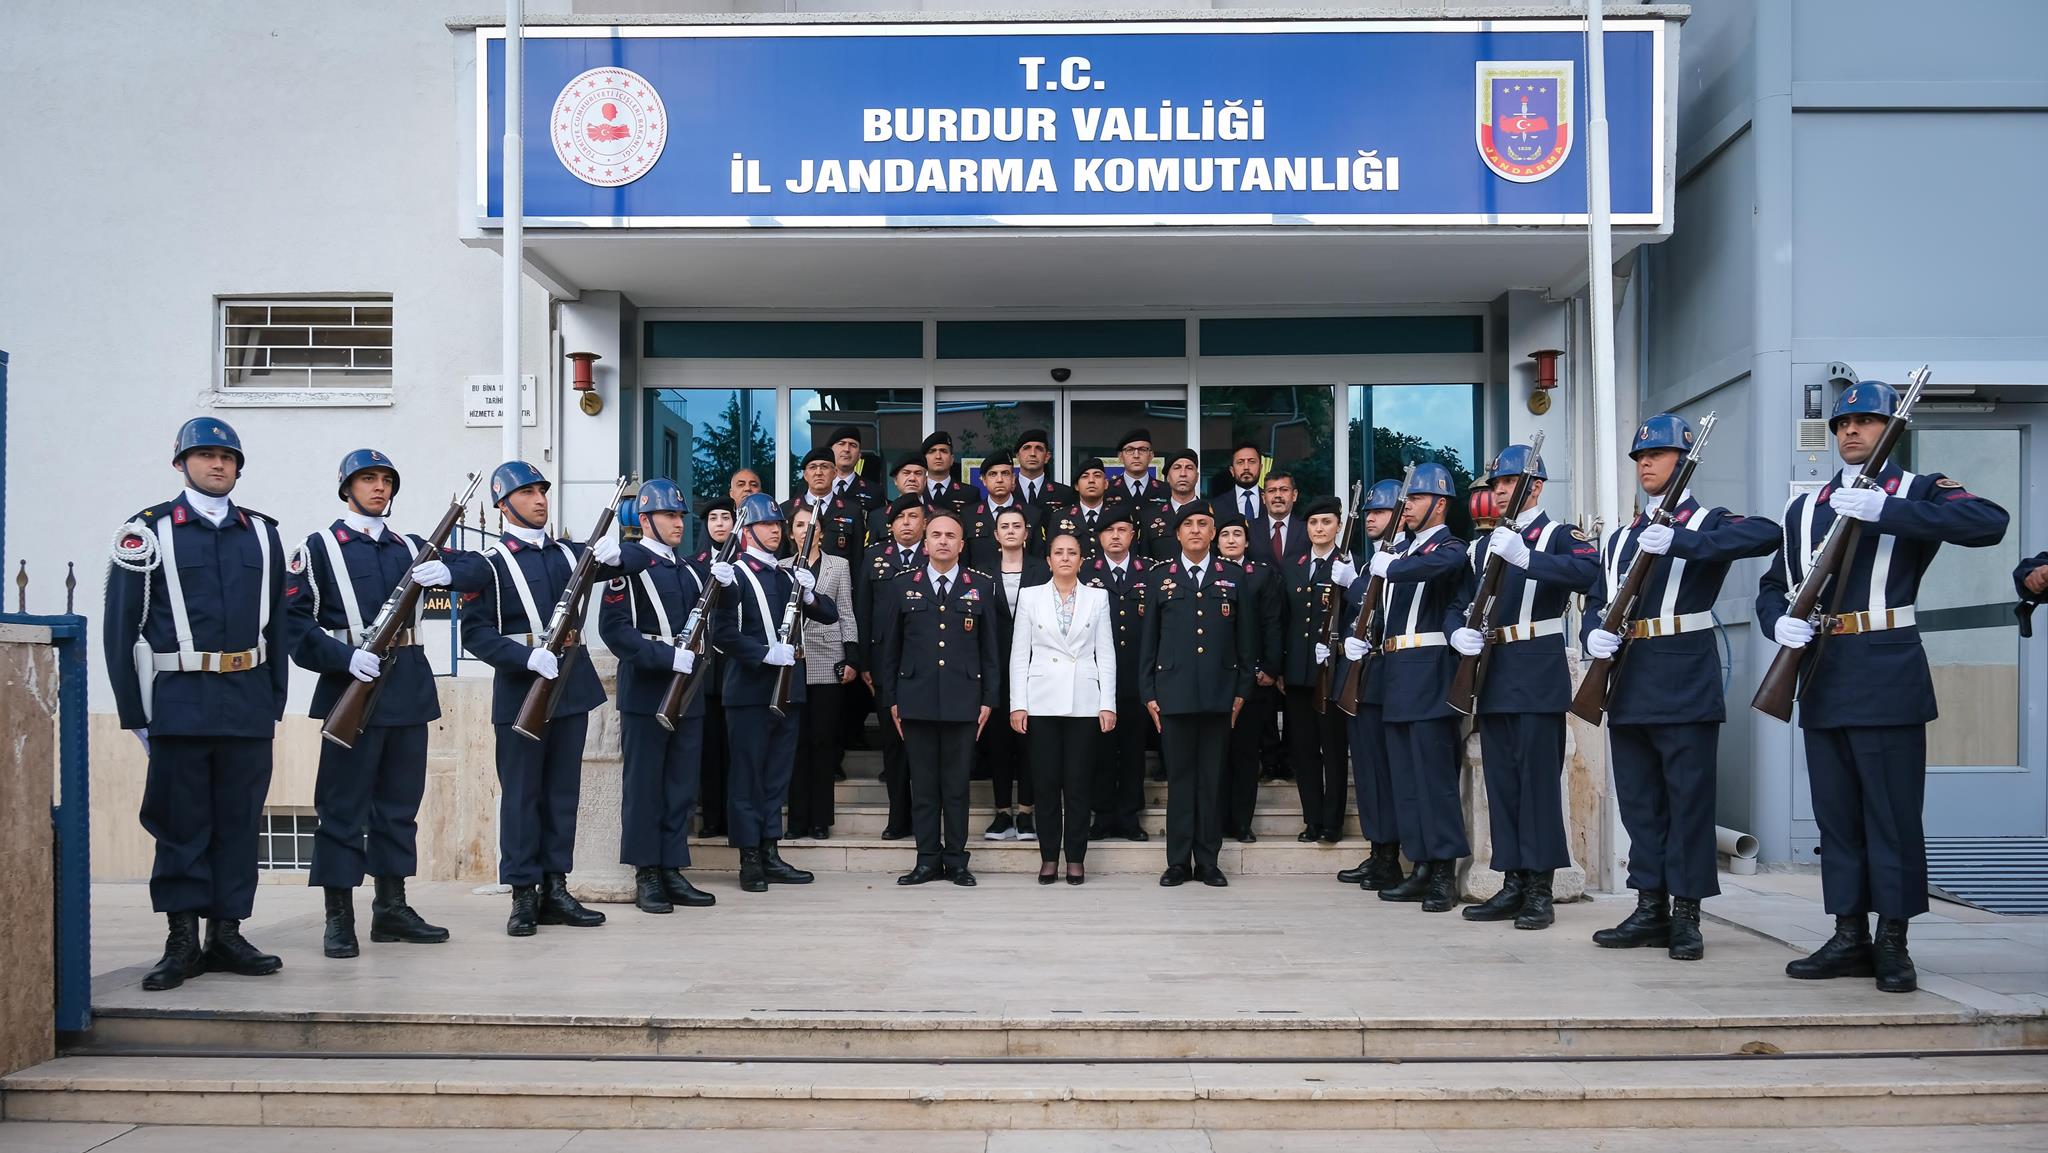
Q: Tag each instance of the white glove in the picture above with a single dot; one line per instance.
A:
(1508, 545)
(805, 579)
(1468, 642)
(1656, 539)
(544, 663)
(364, 666)
(1381, 562)
(1857, 503)
(606, 550)
(1792, 632)
(142, 734)
(1342, 573)
(1355, 649)
(721, 571)
(1601, 644)
(1322, 653)
(685, 660)
(780, 655)
(431, 574)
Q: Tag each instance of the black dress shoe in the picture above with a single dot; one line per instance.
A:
(1077, 878)
(892, 833)
(228, 952)
(391, 919)
(339, 939)
(779, 871)
(921, 875)
(649, 894)
(557, 907)
(182, 957)
(1213, 877)
(1307, 834)
(1895, 972)
(1328, 837)
(1134, 833)
(1174, 875)
(525, 912)
(1648, 927)
(963, 878)
(1097, 832)
(1048, 874)
(1245, 836)
(681, 892)
(821, 833)
(1846, 954)
(710, 830)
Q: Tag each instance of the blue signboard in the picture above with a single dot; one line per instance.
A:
(1275, 123)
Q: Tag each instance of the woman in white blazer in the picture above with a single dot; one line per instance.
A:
(1062, 697)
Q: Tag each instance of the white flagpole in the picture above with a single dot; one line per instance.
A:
(513, 237)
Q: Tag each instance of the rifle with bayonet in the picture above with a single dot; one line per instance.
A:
(792, 633)
(351, 711)
(696, 637)
(564, 637)
(1333, 634)
(1375, 591)
(1829, 570)
(1483, 614)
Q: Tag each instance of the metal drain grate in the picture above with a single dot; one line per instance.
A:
(1999, 874)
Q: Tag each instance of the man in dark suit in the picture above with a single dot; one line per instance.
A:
(1283, 537)
(1245, 495)
(1265, 615)
(1118, 792)
(1135, 483)
(937, 681)
(1035, 485)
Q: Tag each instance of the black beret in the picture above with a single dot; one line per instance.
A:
(939, 437)
(719, 504)
(844, 432)
(1034, 436)
(1134, 436)
(1116, 513)
(818, 455)
(1231, 518)
(907, 460)
(1088, 463)
(997, 460)
(1324, 504)
(904, 503)
(1185, 454)
(1192, 508)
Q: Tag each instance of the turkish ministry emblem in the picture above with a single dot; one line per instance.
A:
(1525, 117)
(609, 126)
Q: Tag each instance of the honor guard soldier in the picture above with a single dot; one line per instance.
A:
(1867, 695)
(508, 592)
(842, 522)
(1134, 485)
(909, 476)
(368, 796)
(866, 494)
(1528, 687)
(196, 637)
(1118, 792)
(902, 551)
(1035, 486)
(1195, 663)
(1315, 583)
(941, 489)
(1664, 712)
(719, 518)
(1379, 814)
(1428, 584)
(1265, 615)
(1083, 518)
(748, 635)
(642, 621)
(937, 679)
(1183, 478)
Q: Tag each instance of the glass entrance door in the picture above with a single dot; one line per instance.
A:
(1081, 422)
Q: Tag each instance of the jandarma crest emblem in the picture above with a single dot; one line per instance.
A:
(1524, 115)
(609, 126)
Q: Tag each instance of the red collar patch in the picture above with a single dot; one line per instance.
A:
(179, 515)
(1892, 486)
(341, 534)
(1684, 514)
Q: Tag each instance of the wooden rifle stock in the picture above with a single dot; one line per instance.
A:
(1332, 635)
(351, 711)
(792, 626)
(1369, 607)
(1471, 673)
(565, 627)
(683, 687)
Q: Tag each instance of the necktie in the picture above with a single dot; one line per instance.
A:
(944, 584)
(1117, 575)
(1091, 519)
(1031, 493)
(1279, 539)
(1248, 513)
(841, 491)
(1195, 575)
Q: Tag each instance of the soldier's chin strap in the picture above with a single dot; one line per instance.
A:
(357, 508)
(754, 541)
(505, 506)
(192, 482)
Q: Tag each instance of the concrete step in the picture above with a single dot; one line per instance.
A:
(868, 820)
(866, 790)
(695, 1094)
(857, 854)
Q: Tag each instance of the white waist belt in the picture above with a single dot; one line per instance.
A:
(1509, 634)
(190, 661)
(1671, 626)
(1414, 641)
(1846, 624)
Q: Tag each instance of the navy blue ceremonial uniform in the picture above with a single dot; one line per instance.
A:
(937, 665)
(1265, 614)
(1120, 489)
(213, 710)
(1315, 740)
(1528, 687)
(1867, 694)
(538, 780)
(1117, 793)
(1195, 661)
(1664, 704)
(1073, 519)
(1379, 816)
(870, 579)
(1427, 590)
(661, 766)
(1152, 520)
(715, 763)
(370, 792)
(763, 751)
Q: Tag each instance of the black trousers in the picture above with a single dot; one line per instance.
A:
(1378, 812)
(203, 802)
(1316, 749)
(1063, 766)
(895, 774)
(1272, 742)
(1664, 786)
(1868, 788)
(763, 756)
(369, 793)
(941, 759)
(819, 753)
(1118, 793)
(1194, 746)
(538, 783)
(1241, 773)
(658, 790)
(1424, 755)
(856, 704)
(1008, 760)
(717, 762)
(1522, 755)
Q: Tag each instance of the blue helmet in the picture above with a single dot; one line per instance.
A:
(514, 475)
(1385, 495)
(1664, 430)
(1871, 396)
(1517, 460)
(660, 495)
(362, 460)
(760, 508)
(207, 432)
(1432, 479)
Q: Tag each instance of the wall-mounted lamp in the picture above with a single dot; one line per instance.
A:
(1546, 378)
(583, 380)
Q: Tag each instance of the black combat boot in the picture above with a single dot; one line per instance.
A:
(779, 871)
(1895, 973)
(1686, 942)
(391, 919)
(525, 912)
(227, 951)
(1502, 906)
(1846, 954)
(340, 938)
(1383, 868)
(1648, 927)
(752, 878)
(557, 907)
(649, 895)
(1536, 900)
(1355, 876)
(182, 957)
(1442, 894)
(680, 891)
(1413, 888)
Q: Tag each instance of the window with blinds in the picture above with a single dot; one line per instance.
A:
(307, 345)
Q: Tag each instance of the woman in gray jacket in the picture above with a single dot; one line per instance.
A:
(831, 662)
